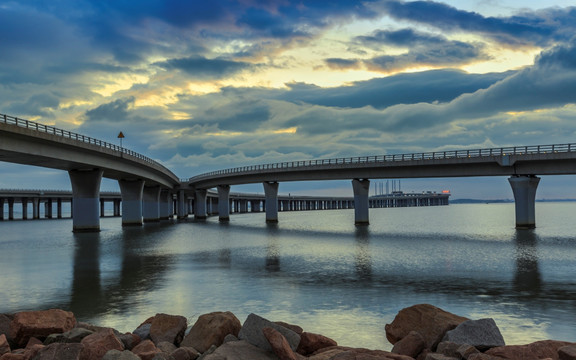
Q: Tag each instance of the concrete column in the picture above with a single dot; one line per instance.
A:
(182, 205)
(117, 207)
(524, 189)
(151, 203)
(224, 202)
(24, 208)
(59, 208)
(49, 214)
(85, 196)
(1, 208)
(165, 203)
(271, 195)
(132, 191)
(36, 208)
(361, 190)
(10, 208)
(200, 204)
(102, 207)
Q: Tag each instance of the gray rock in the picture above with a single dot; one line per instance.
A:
(438, 356)
(60, 351)
(163, 356)
(73, 336)
(483, 334)
(239, 350)
(448, 348)
(230, 337)
(252, 332)
(166, 347)
(120, 355)
(143, 331)
(466, 350)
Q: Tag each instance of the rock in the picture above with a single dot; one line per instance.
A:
(365, 354)
(326, 353)
(483, 334)
(297, 329)
(410, 345)
(31, 352)
(185, 353)
(33, 341)
(464, 351)
(129, 340)
(310, 342)
(60, 351)
(240, 350)
(143, 331)
(98, 344)
(211, 329)
(73, 336)
(536, 350)
(120, 355)
(251, 331)
(428, 320)
(279, 344)
(448, 348)
(5, 322)
(565, 352)
(4, 346)
(438, 356)
(482, 356)
(166, 347)
(162, 356)
(13, 357)
(230, 337)
(40, 324)
(169, 328)
(146, 350)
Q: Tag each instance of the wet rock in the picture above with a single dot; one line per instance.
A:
(536, 350)
(185, 353)
(211, 329)
(73, 336)
(428, 320)
(567, 352)
(483, 334)
(310, 343)
(410, 345)
(146, 350)
(120, 355)
(60, 351)
(40, 324)
(240, 350)
(251, 331)
(279, 344)
(98, 344)
(169, 328)
(4, 346)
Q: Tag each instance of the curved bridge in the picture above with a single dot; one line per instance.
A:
(87, 160)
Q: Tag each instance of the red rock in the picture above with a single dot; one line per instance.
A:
(279, 344)
(297, 329)
(40, 324)
(365, 354)
(428, 320)
(33, 341)
(98, 344)
(211, 329)
(310, 342)
(13, 357)
(60, 351)
(533, 351)
(185, 353)
(410, 345)
(146, 350)
(4, 346)
(5, 322)
(169, 328)
(567, 352)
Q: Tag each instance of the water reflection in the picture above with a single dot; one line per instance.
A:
(527, 279)
(362, 256)
(86, 293)
(272, 248)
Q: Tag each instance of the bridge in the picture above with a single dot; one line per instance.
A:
(146, 185)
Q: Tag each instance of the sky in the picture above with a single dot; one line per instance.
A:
(207, 85)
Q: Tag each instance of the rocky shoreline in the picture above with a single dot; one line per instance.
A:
(419, 332)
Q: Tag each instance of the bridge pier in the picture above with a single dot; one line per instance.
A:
(86, 199)
(271, 195)
(181, 205)
(35, 208)
(151, 203)
(361, 204)
(131, 191)
(224, 202)
(165, 203)
(524, 189)
(200, 204)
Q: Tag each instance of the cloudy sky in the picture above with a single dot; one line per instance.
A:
(206, 85)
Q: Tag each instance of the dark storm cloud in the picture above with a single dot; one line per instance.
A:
(115, 111)
(205, 69)
(528, 28)
(342, 64)
(401, 38)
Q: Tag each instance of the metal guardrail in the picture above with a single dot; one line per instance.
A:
(380, 159)
(7, 119)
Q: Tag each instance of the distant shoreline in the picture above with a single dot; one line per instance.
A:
(502, 201)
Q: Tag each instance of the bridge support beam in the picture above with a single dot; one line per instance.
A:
(182, 205)
(85, 199)
(200, 204)
(361, 204)
(151, 203)
(131, 191)
(165, 204)
(224, 202)
(524, 189)
(271, 196)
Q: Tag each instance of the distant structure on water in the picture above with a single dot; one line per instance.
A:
(389, 194)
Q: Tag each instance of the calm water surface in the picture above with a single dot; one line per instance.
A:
(315, 269)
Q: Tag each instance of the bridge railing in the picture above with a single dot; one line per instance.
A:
(7, 119)
(425, 156)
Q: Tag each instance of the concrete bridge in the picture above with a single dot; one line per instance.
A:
(146, 186)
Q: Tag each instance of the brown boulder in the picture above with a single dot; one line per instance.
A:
(536, 350)
(146, 350)
(297, 329)
(4, 346)
(185, 353)
(169, 328)
(279, 344)
(211, 329)
(365, 354)
(60, 351)
(410, 345)
(98, 344)
(40, 324)
(428, 320)
(13, 357)
(567, 352)
(310, 342)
